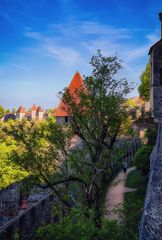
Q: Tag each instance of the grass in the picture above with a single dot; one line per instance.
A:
(134, 201)
(135, 180)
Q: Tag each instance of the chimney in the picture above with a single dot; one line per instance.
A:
(160, 17)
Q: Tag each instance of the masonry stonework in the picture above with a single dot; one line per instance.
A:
(156, 77)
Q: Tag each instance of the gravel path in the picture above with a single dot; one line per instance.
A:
(115, 195)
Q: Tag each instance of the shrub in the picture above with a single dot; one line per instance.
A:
(142, 158)
(151, 134)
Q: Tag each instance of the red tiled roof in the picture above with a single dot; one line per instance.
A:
(39, 109)
(34, 108)
(21, 110)
(76, 83)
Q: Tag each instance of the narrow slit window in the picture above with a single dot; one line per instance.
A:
(160, 76)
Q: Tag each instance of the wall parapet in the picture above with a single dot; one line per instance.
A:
(27, 222)
(151, 222)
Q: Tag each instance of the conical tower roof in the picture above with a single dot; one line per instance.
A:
(39, 109)
(34, 108)
(21, 110)
(76, 83)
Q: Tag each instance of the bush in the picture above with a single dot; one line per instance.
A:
(142, 158)
(71, 227)
(151, 134)
(77, 226)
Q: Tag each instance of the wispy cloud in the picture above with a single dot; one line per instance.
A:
(50, 47)
(78, 41)
(89, 28)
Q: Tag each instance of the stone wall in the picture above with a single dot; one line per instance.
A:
(26, 223)
(151, 222)
(156, 87)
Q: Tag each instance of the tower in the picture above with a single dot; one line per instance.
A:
(20, 114)
(40, 113)
(156, 76)
(33, 111)
(61, 113)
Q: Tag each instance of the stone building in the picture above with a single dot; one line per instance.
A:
(33, 111)
(40, 113)
(20, 114)
(156, 76)
(61, 113)
(36, 113)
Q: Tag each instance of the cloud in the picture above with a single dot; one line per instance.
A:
(50, 47)
(33, 35)
(65, 54)
(153, 37)
(74, 43)
(79, 28)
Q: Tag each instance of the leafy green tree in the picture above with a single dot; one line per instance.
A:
(144, 87)
(97, 118)
(7, 110)
(42, 150)
(98, 114)
(2, 111)
(9, 171)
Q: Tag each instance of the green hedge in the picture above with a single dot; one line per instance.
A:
(142, 158)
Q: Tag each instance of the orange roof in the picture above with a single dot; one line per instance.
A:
(21, 110)
(76, 83)
(39, 109)
(34, 108)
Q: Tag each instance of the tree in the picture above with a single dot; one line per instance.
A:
(98, 114)
(2, 111)
(7, 110)
(42, 150)
(144, 87)
(9, 172)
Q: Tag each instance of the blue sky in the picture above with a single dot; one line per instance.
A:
(43, 43)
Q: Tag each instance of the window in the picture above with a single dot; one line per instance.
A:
(66, 119)
(160, 76)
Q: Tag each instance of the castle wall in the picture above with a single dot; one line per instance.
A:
(156, 85)
(151, 223)
(20, 116)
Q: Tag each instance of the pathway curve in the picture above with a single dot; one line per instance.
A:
(115, 195)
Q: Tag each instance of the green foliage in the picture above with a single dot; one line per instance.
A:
(134, 179)
(151, 135)
(142, 158)
(134, 202)
(144, 87)
(72, 227)
(130, 103)
(7, 110)
(41, 149)
(97, 117)
(9, 171)
(79, 226)
(16, 235)
(2, 111)
(26, 186)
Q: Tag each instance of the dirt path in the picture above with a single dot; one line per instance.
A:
(115, 195)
